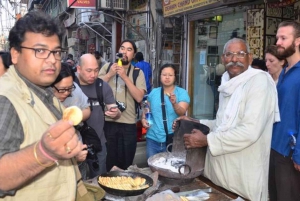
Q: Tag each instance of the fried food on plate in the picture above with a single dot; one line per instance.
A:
(124, 183)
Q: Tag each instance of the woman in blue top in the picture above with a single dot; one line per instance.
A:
(176, 104)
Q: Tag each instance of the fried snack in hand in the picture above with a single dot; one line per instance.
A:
(73, 114)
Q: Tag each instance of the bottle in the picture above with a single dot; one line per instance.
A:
(148, 114)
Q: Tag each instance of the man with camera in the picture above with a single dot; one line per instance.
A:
(121, 134)
(87, 72)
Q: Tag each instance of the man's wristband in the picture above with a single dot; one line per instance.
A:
(36, 157)
(47, 155)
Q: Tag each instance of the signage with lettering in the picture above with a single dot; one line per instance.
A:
(172, 7)
(82, 4)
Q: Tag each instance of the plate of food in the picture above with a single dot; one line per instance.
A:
(124, 183)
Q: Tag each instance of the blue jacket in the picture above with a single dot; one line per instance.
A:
(146, 68)
(288, 88)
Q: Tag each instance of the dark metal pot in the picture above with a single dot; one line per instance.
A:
(189, 173)
(119, 192)
(194, 159)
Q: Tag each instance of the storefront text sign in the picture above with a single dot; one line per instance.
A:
(82, 4)
(172, 7)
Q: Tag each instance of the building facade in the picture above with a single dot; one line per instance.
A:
(207, 26)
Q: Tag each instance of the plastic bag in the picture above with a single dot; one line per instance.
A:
(167, 195)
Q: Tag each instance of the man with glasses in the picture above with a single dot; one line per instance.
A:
(36, 146)
(239, 140)
(70, 94)
(88, 70)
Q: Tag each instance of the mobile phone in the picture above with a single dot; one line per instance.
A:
(113, 107)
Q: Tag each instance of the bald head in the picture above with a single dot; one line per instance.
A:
(87, 59)
(87, 69)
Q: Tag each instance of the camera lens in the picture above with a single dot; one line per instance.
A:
(120, 55)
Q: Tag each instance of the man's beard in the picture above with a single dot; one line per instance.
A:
(287, 52)
(125, 62)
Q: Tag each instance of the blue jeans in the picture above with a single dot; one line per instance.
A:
(154, 147)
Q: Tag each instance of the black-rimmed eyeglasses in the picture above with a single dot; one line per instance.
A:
(240, 54)
(42, 53)
(65, 90)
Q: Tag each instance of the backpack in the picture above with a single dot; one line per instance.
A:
(89, 135)
(99, 91)
(135, 74)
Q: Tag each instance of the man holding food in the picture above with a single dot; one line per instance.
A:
(36, 147)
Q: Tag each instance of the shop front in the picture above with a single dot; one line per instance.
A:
(206, 42)
(208, 28)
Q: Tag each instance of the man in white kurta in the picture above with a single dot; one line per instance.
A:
(239, 142)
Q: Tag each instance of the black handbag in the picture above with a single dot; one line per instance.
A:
(90, 137)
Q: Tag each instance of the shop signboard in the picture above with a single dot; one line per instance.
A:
(173, 7)
(82, 4)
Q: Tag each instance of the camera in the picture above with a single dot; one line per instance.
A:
(121, 106)
(119, 55)
(92, 156)
(91, 151)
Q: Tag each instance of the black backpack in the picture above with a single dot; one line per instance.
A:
(135, 74)
(99, 91)
(89, 135)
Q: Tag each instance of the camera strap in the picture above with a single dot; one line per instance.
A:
(163, 109)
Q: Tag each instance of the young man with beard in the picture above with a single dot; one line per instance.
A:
(121, 133)
(239, 141)
(87, 71)
(284, 179)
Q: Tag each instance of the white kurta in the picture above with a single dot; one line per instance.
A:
(238, 159)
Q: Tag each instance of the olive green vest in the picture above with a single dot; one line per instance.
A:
(54, 183)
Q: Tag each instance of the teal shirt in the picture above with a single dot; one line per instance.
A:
(157, 132)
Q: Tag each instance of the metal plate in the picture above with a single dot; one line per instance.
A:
(118, 192)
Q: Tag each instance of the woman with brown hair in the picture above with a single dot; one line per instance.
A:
(274, 62)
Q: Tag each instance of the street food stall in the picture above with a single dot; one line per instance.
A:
(172, 175)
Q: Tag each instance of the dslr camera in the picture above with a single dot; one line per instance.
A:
(93, 156)
(121, 106)
(91, 151)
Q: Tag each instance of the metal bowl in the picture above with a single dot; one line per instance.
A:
(119, 192)
(189, 173)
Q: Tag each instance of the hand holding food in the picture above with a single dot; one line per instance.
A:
(60, 141)
(172, 98)
(73, 114)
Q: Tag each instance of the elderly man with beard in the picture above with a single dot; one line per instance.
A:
(121, 133)
(284, 183)
(240, 138)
